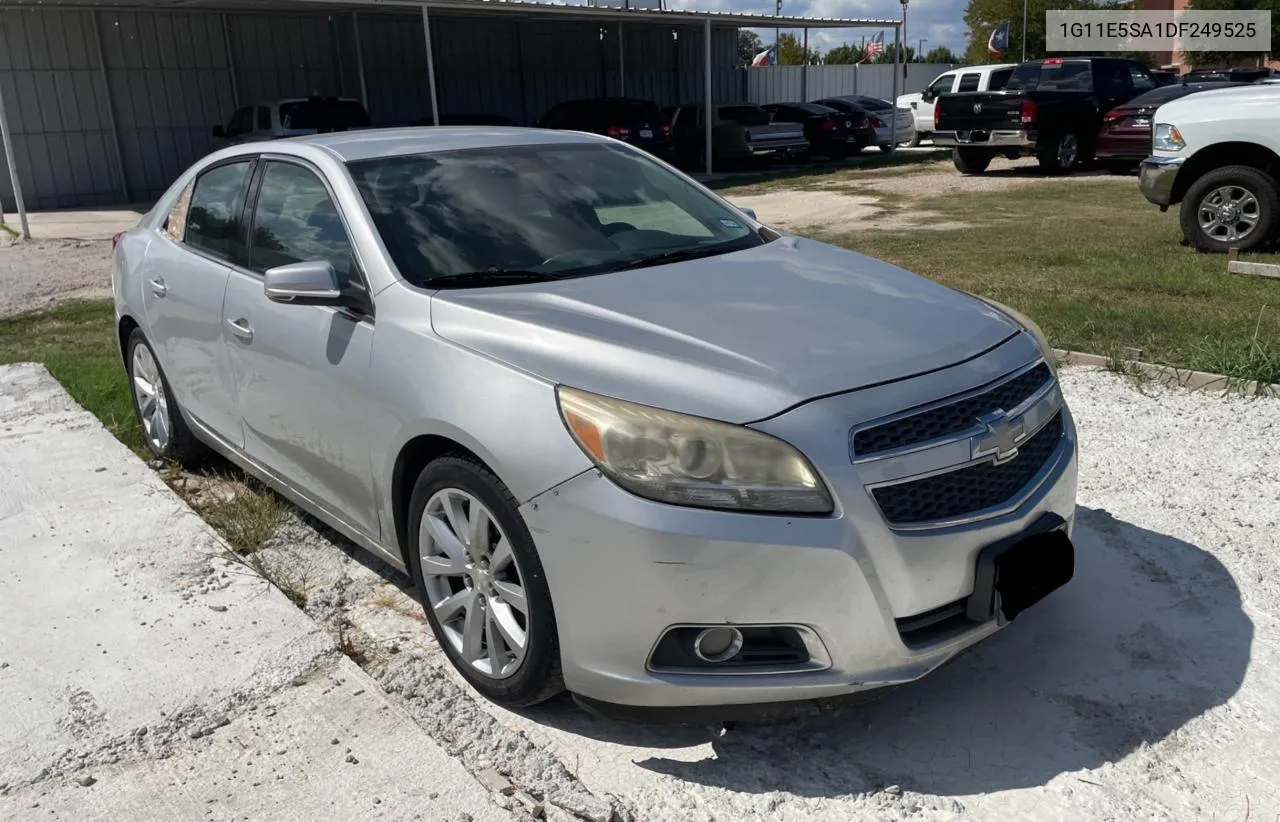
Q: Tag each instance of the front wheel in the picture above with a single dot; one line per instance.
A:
(970, 160)
(1061, 156)
(915, 140)
(887, 149)
(482, 583)
(1231, 207)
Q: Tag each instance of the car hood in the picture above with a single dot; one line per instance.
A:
(737, 337)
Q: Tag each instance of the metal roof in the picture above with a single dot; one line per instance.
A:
(526, 8)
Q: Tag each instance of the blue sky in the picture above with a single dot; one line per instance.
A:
(940, 21)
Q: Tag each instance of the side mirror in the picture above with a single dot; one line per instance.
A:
(220, 132)
(927, 95)
(308, 283)
(750, 212)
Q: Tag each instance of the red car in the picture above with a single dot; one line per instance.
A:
(1125, 137)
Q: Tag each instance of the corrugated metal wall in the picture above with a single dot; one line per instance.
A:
(169, 76)
(787, 83)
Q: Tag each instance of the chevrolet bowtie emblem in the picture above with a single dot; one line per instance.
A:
(1000, 437)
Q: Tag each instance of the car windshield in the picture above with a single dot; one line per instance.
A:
(323, 115)
(814, 108)
(553, 210)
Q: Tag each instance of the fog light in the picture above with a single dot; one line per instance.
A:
(718, 644)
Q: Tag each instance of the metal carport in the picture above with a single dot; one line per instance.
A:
(91, 73)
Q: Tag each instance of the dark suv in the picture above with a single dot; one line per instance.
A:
(638, 122)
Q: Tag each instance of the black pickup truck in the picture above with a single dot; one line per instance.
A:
(1050, 109)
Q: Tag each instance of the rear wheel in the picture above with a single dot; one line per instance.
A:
(1061, 156)
(482, 583)
(970, 160)
(1231, 207)
(164, 430)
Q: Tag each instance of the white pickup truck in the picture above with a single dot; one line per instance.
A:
(968, 78)
(1218, 154)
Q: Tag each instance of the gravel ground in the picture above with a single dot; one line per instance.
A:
(41, 273)
(1148, 688)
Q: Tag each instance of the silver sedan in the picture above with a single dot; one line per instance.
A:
(626, 440)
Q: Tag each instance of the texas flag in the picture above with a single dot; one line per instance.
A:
(768, 57)
(999, 40)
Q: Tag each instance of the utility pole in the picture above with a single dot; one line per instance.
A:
(1024, 30)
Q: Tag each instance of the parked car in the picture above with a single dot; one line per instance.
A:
(624, 439)
(293, 117)
(1215, 153)
(1238, 74)
(968, 78)
(830, 133)
(638, 122)
(1124, 140)
(881, 113)
(476, 119)
(1050, 109)
(740, 132)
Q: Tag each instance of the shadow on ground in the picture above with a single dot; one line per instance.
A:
(868, 160)
(1149, 635)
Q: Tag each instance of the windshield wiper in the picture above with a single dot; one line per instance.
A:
(492, 276)
(682, 255)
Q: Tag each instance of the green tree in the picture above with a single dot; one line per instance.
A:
(982, 16)
(941, 54)
(791, 53)
(749, 45)
(1208, 59)
(844, 55)
(886, 56)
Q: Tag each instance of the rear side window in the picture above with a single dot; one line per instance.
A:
(214, 216)
(632, 111)
(999, 79)
(745, 115)
(296, 221)
(1052, 75)
(969, 82)
(264, 118)
(323, 115)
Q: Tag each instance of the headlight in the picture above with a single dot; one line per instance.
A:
(1167, 138)
(1029, 325)
(684, 460)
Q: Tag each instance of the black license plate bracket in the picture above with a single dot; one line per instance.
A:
(1016, 573)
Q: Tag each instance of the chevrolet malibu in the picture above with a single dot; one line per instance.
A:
(627, 441)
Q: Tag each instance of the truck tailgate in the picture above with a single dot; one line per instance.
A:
(979, 110)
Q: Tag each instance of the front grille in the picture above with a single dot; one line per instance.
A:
(950, 419)
(968, 490)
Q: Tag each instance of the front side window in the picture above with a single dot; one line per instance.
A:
(943, 84)
(296, 221)
(264, 118)
(214, 215)
(549, 211)
(241, 122)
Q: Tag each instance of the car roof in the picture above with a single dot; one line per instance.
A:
(364, 144)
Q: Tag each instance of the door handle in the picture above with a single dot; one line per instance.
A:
(158, 287)
(241, 329)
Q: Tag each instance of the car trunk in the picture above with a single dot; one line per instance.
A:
(835, 127)
(1126, 130)
(979, 111)
(635, 123)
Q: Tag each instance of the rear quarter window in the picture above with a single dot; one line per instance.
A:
(213, 218)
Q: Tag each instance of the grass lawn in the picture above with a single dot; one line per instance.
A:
(1098, 267)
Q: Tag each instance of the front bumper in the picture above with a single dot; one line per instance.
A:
(623, 570)
(1156, 177)
(985, 139)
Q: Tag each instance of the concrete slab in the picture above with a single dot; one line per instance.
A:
(81, 224)
(138, 652)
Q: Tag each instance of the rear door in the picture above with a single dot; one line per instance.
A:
(299, 372)
(187, 274)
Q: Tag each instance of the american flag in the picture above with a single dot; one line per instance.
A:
(873, 48)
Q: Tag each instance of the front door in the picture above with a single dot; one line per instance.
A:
(924, 109)
(300, 371)
(187, 273)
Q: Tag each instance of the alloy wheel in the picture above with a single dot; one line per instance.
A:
(1068, 148)
(473, 583)
(1228, 213)
(153, 403)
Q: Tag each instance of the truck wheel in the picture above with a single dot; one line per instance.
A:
(915, 139)
(970, 160)
(1061, 156)
(1230, 207)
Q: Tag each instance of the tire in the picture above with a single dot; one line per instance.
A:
(164, 430)
(490, 576)
(1250, 191)
(915, 140)
(887, 149)
(1063, 154)
(970, 161)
